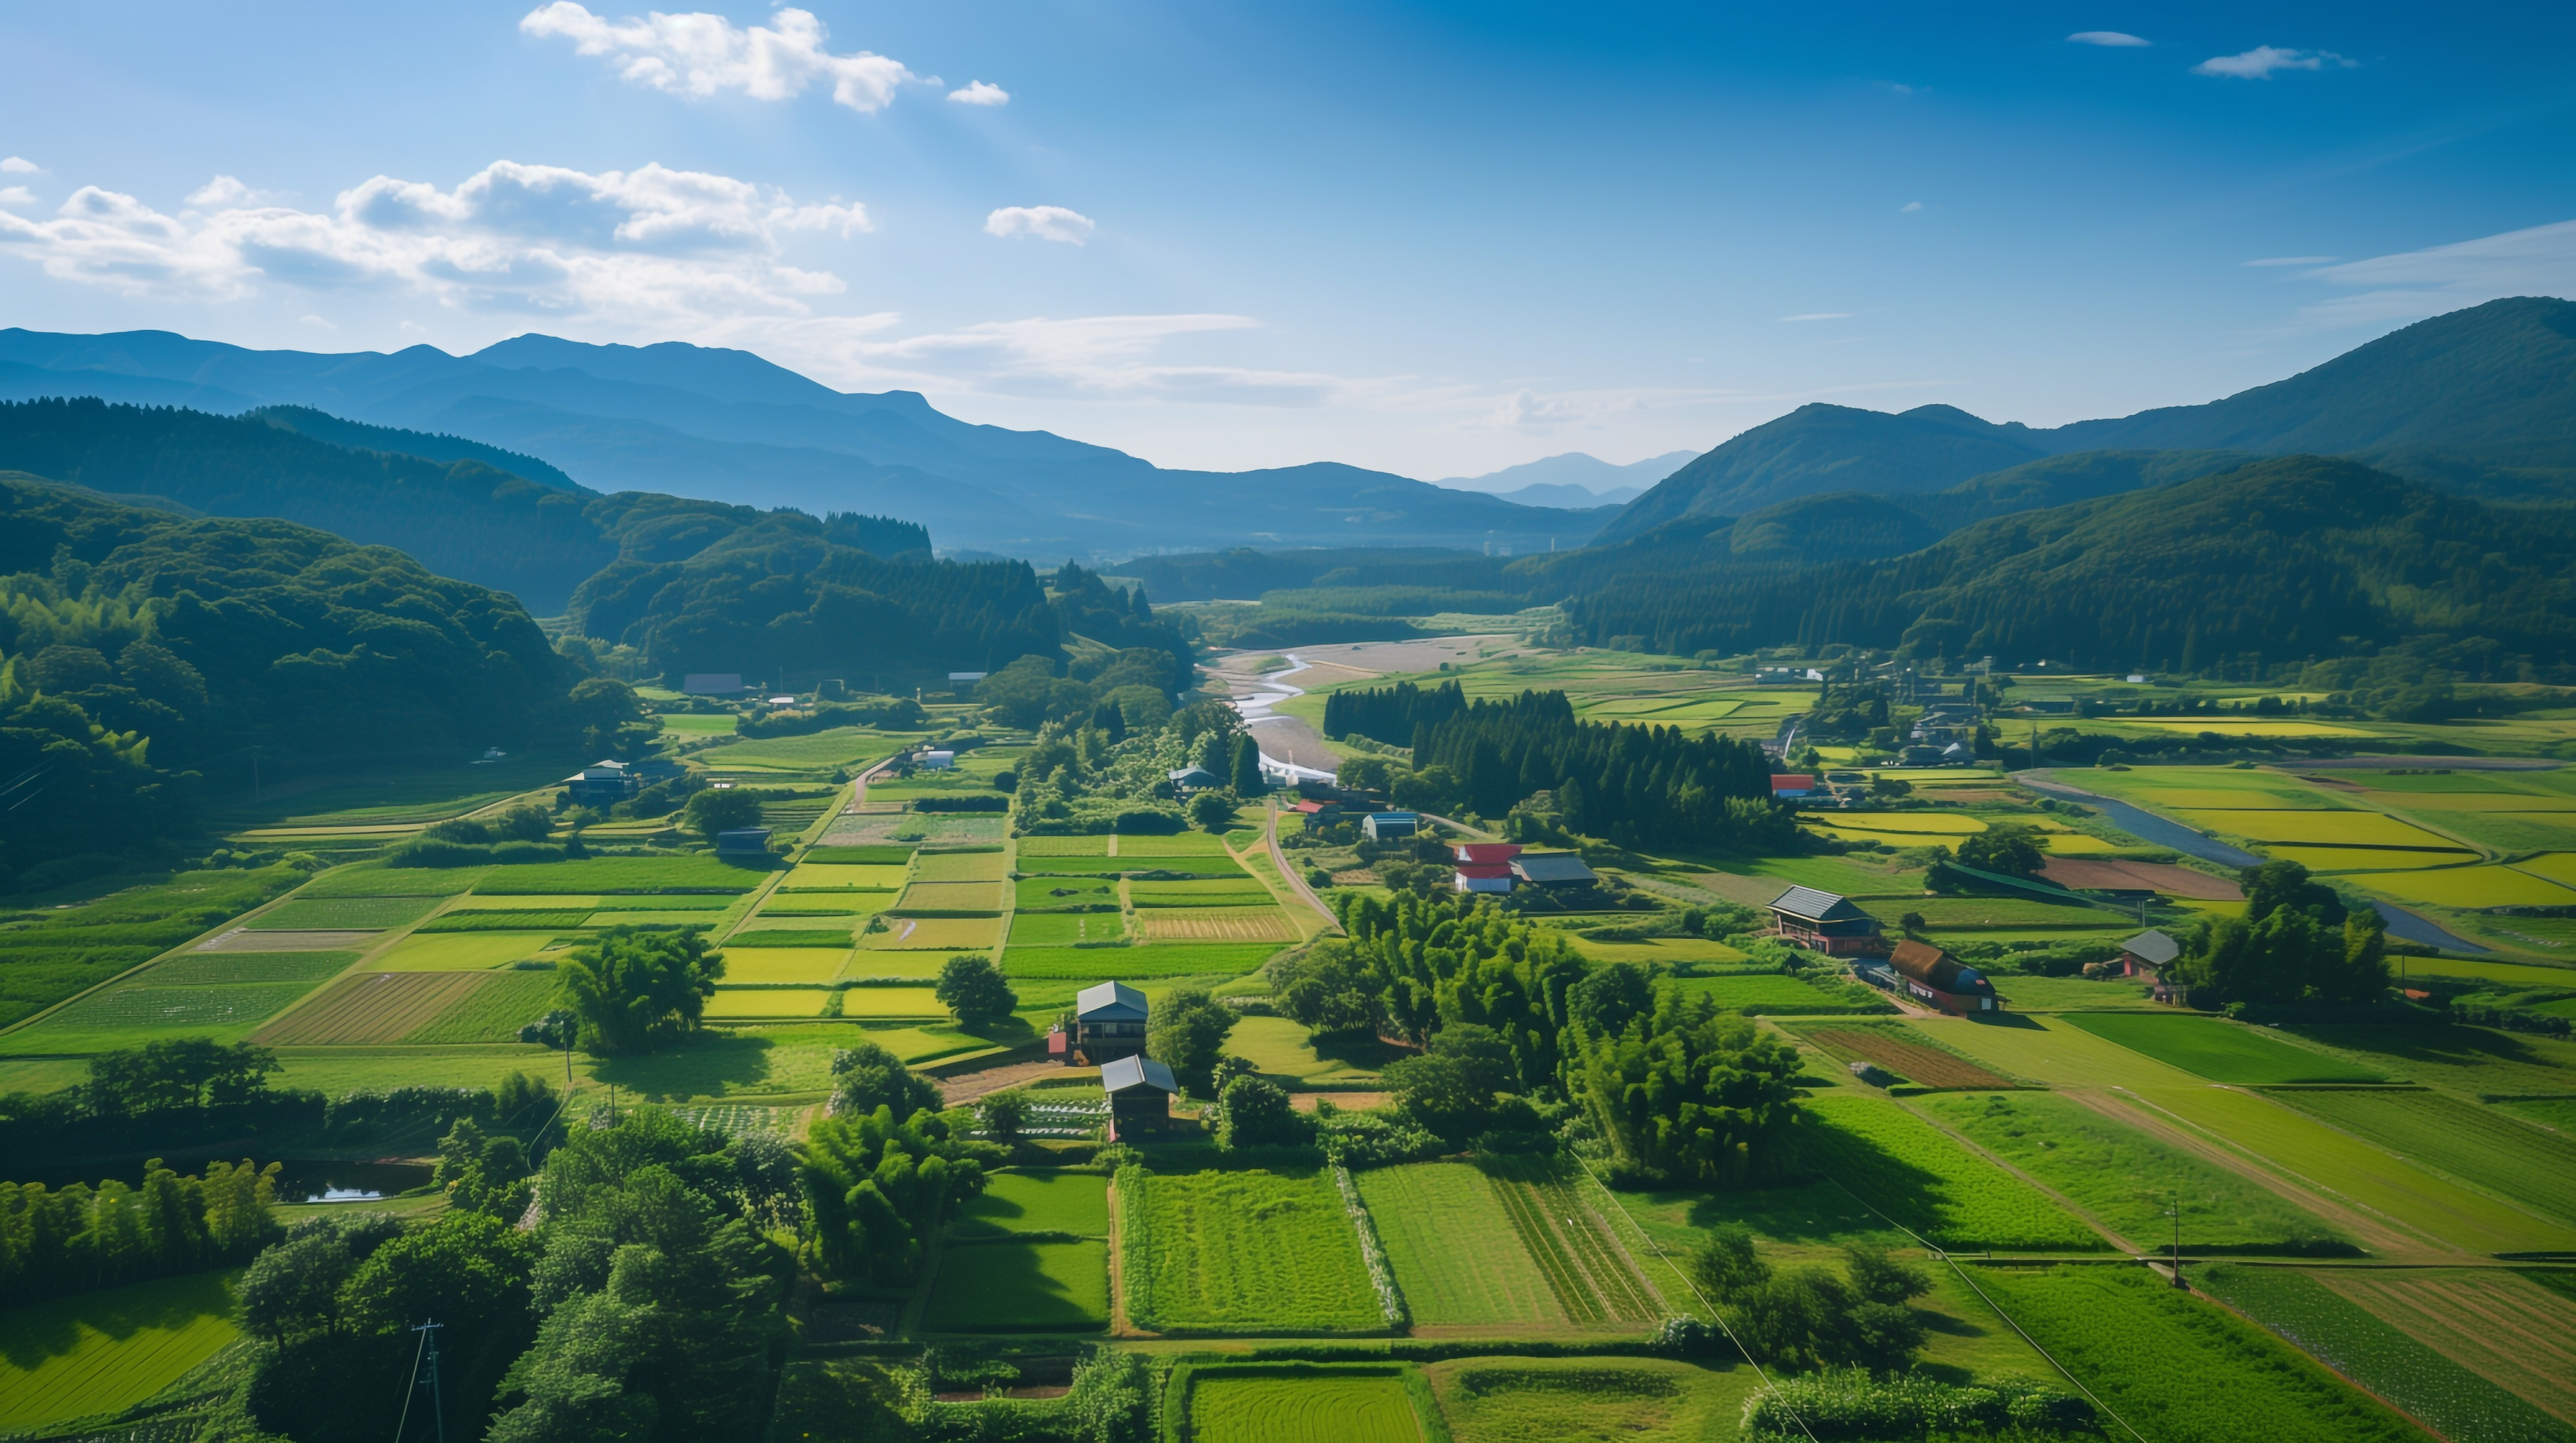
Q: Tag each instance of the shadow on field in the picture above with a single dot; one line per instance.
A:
(49, 1330)
(2019, 1020)
(708, 1065)
(1809, 1213)
(1909, 1194)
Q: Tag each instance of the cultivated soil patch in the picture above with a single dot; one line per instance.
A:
(376, 1007)
(1920, 1063)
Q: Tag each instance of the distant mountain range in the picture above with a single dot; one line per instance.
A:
(2480, 402)
(727, 426)
(1573, 479)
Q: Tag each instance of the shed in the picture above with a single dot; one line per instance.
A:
(1108, 1023)
(1140, 1096)
(1792, 784)
(1485, 866)
(746, 841)
(1196, 779)
(1825, 922)
(2148, 954)
(935, 761)
(1553, 869)
(1386, 826)
(1928, 974)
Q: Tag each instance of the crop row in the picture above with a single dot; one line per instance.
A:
(1916, 1174)
(1242, 1251)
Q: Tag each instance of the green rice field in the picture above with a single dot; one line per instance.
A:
(1776, 996)
(461, 951)
(349, 913)
(1054, 929)
(1588, 1400)
(1248, 1251)
(1033, 894)
(374, 881)
(2219, 1051)
(2470, 1142)
(1457, 1258)
(1302, 1405)
(106, 1351)
(600, 875)
(498, 1006)
(1921, 1177)
(1075, 1203)
(206, 969)
(1014, 1284)
(1163, 959)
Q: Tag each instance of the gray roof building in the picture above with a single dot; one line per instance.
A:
(1128, 1073)
(1553, 869)
(1109, 1002)
(2152, 947)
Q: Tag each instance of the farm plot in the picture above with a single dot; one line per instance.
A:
(130, 1015)
(952, 897)
(461, 952)
(2471, 887)
(1241, 1251)
(1907, 1053)
(493, 919)
(242, 939)
(1913, 1172)
(2474, 1060)
(784, 964)
(498, 1005)
(2322, 828)
(2054, 1051)
(1301, 1405)
(1075, 1204)
(2556, 866)
(1587, 1400)
(1061, 929)
(736, 1120)
(1044, 865)
(1064, 847)
(216, 969)
(1241, 891)
(844, 876)
(1457, 1256)
(2397, 1365)
(1282, 1048)
(874, 1002)
(375, 881)
(2182, 1370)
(2127, 1179)
(1184, 844)
(1214, 924)
(661, 902)
(1778, 996)
(732, 1003)
(1973, 913)
(1585, 1267)
(2500, 1326)
(893, 854)
(2331, 1161)
(2219, 1051)
(1169, 959)
(598, 875)
(815, 935)
(1038, 894)
(370, 1007)
(961, 866)
(2471, 1143)
(943, 934)
(322, 914)
(106, 1351)
(1020, 1285)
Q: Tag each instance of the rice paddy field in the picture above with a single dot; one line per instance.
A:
(1249, 1251)
(1308, 1405)
(2219, 1051)
(106, 1351)
(2475, 1144)
(1588, 1400)
(1457, 1255)
(1063, 929)
(934, 934)
(1013, 1284)
(1043, 1201)
(1926, 1181)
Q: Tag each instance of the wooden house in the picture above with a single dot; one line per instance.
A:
(1928, 974)
(1108, 1024)
(1140, 1097)
(1826, 922)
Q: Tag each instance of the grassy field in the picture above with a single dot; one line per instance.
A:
(105, 1351)
(1588, 1400)
(1014, 1284)
(2434, 1207)
(1037, 894)
(2074, 994)
(353, 913)
(2219, 1051)
(129, 1016)
(1773, 996)
(2180, 1370)
(2472, 1143)
(1456, 1254)
(2128, 1180)
(1302, 1406)
(1918, 1175)
(2474, 1060)
(2397, 1364)
(600, 875)
(1241, 1251)
(1283, 1048)
(1038, 1202)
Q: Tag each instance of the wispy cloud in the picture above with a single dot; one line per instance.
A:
(1821, 316)
(2295, 261)
(16, 195)
(20, 165)
(650, 246)
(2260, 62)
(2118, 39)
(1040, 222)
(701, 54)
(977, 92)
(1909, 207)
(2410, 285)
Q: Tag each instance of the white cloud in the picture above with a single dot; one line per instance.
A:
(2259, 63)
(977, 92)
(2117, 39)
(2411, 285)
(1039, 222)
(2293, 261)
(20, 165)
(225, 192)
(16, 195)
(701, 54)
(320, 323)
(1821, 316)
(651, 246)
(1909, 207)
(1098, 358)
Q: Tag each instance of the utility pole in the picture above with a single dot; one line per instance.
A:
(2177, 1240)
(429, 1338)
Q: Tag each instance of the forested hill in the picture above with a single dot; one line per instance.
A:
(458, 517)
(2479, 402)
(140, 651)
(2284, 559)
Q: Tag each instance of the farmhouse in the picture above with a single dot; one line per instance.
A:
(1827, 923)
(1195, 779)
(1553, 869)
(1789, 786)
(2148, 954)
(1140, 1096)
(1108, 1024)
(744, 842)
(602, 784)
(1928, 974)
(1386, 826)
(1485, 866)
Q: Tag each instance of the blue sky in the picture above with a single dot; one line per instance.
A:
(1436, 239)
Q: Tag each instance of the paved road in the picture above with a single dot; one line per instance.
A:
(1296, 879)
